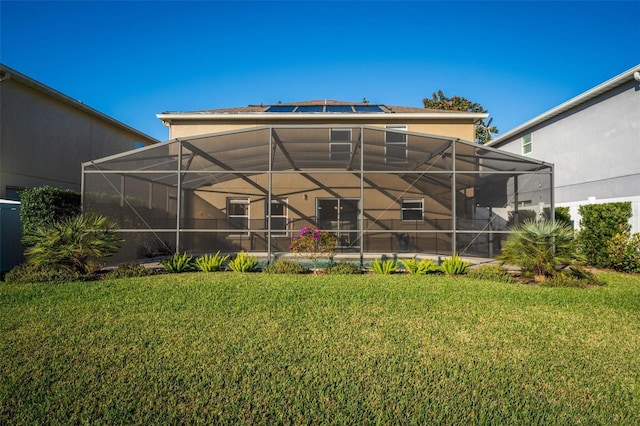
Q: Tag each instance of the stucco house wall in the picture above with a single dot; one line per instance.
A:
(593, 141)
(45, 135)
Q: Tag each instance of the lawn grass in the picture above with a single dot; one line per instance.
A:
(274, 349)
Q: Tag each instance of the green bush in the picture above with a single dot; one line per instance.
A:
(178, 263)
(45, 205)
(624, 252)
(496, 273)
(424, 266)
(454, 266)
(27, 273)
(211, 263)
(540, 248)
(129, 270)
(78, 243)
(342, 268)
(384, 267)
(600, 223)
(285, 266)
(561, 214)
(243, 263)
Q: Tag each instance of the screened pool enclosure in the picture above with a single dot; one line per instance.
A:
(379, 190)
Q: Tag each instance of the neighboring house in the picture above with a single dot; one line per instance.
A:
(594, 142)
(383, 179)
(44, 137)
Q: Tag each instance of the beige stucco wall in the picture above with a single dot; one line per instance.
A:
(43, 140)
(464, 130)
(382, 196)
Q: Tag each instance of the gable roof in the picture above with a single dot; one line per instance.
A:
(7, 73)
(630, 74)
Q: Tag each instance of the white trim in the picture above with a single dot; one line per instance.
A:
(239, 200)
(566, 106)
(280, 116)
(403, 209)
(283, 202)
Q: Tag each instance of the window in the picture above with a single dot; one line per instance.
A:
(396, 144)
(340, 145)
(279, 218)
(412, 209)
(526, 144)
(238, 213)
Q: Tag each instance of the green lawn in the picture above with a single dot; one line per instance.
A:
(269, 349)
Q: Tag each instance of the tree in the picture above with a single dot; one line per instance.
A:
(484, 131)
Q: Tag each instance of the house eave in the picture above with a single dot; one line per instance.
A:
(10, 73)
(289, 117)
(568, 105)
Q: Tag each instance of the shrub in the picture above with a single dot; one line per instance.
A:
(561, 215)
(285, 266)
(178, 263)
(27, 273)
(45, 205)
(342, 268)
(77, 244)
(624, 252)
(384, 267)
(496, 273)
(129, 270)
(600, 223)
(211, 263)
(243, 263)
(313, 243)
(540, 248)
(424, 266)
(454, 266)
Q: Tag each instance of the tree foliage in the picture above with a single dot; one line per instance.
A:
(45, 205)
(484, 131)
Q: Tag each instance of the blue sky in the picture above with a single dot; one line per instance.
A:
(132, 60)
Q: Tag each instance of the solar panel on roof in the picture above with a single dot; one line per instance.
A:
(310, 108)
(281, 108)
(338, 108)
(368, 108)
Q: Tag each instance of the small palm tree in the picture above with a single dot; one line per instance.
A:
(75, 244)
(540, 248)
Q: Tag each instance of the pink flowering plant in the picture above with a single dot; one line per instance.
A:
(313, 243)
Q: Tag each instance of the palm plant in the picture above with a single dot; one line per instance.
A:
(77, 243)
(540, 247)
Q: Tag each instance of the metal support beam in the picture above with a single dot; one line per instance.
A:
(454, 222)
(179, 198)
